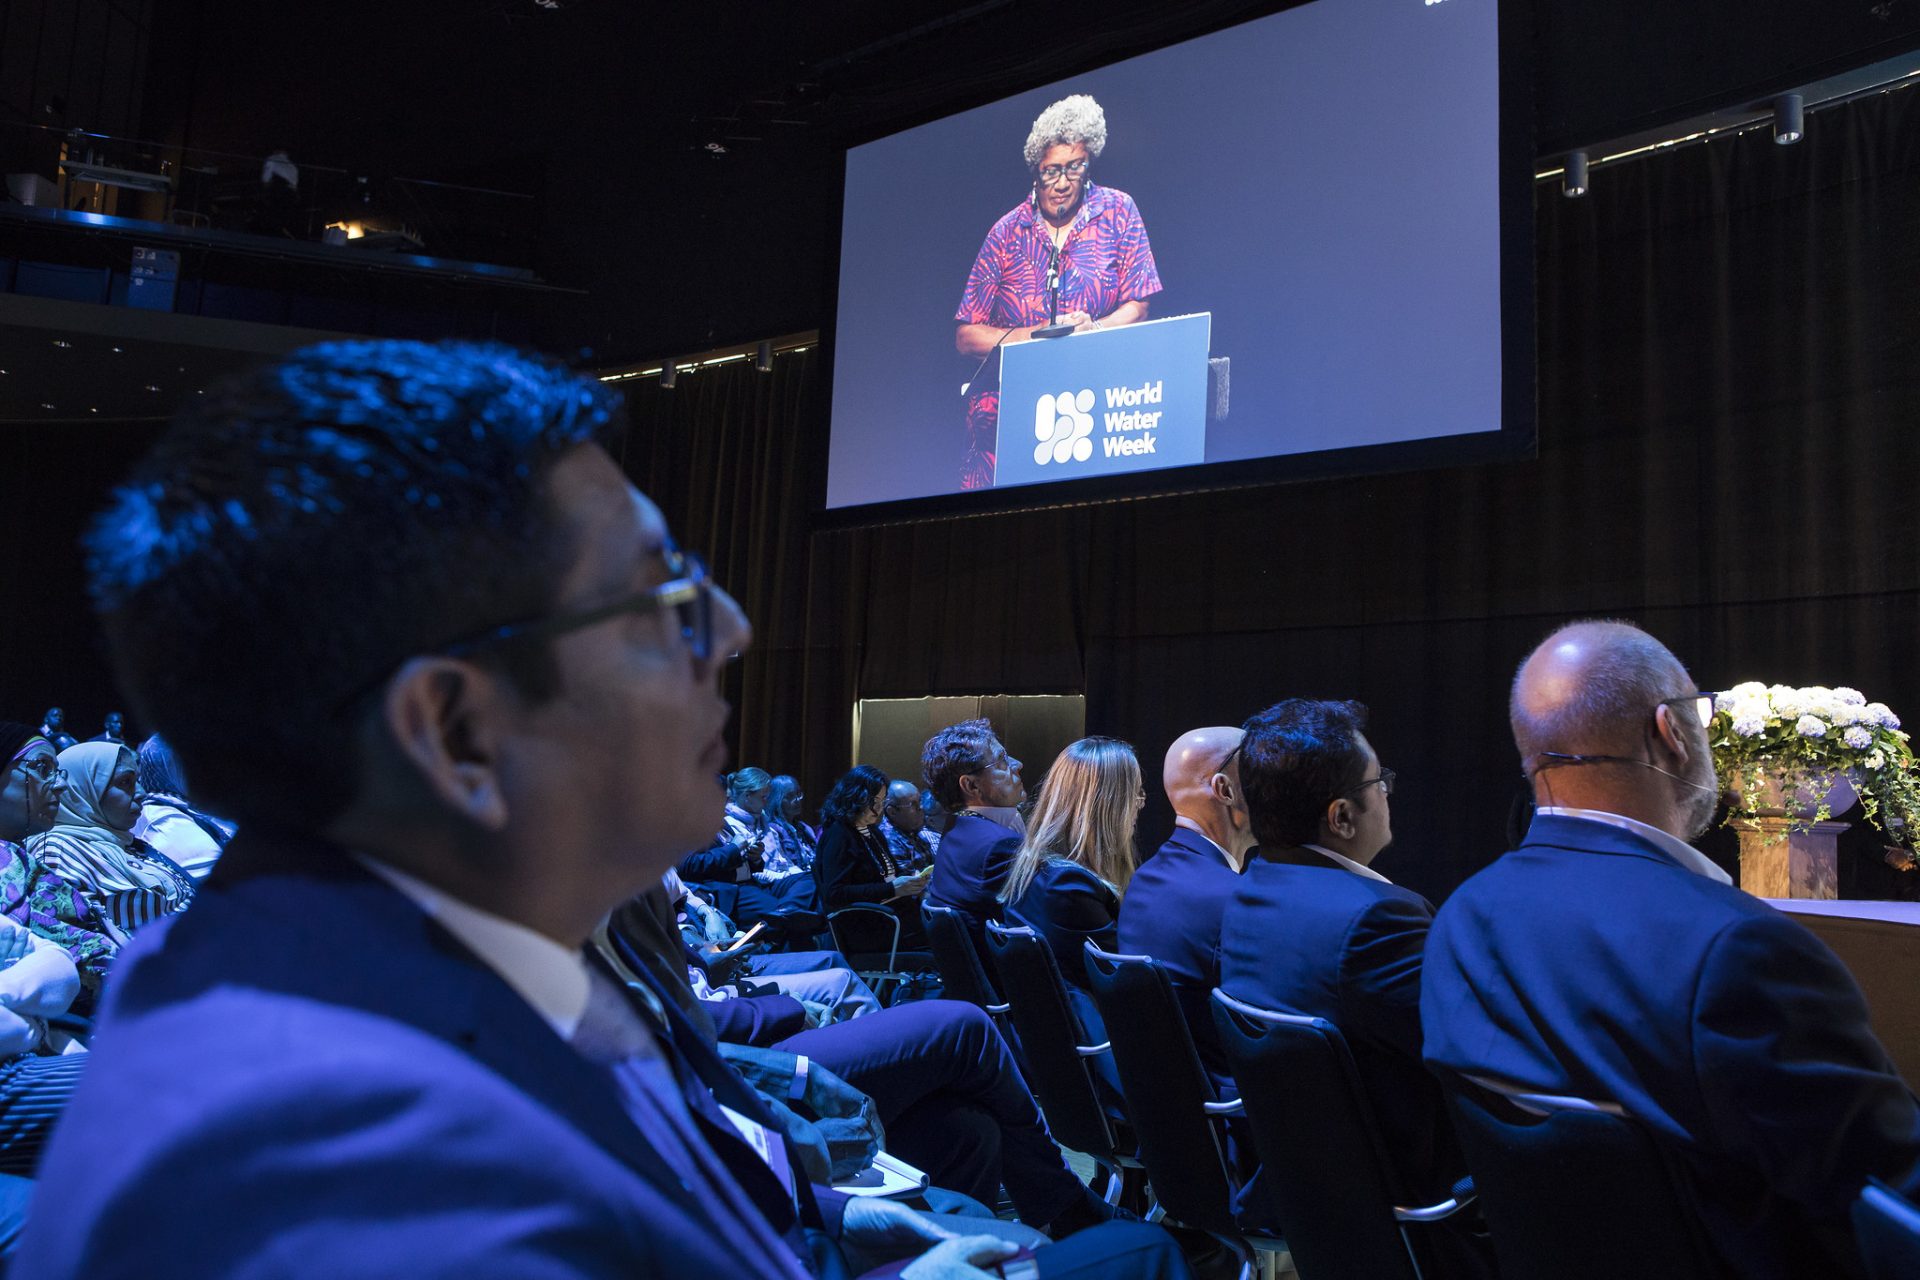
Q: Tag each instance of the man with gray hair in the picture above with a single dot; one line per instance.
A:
(1607, 958)
(904, 825)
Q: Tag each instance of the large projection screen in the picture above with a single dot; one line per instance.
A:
(1289, 248)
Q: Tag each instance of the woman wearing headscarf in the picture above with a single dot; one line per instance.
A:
(37, 980)
(30, 893)
(92, 842)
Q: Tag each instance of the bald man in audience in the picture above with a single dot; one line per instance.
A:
(1607, 958)
(1173, 905)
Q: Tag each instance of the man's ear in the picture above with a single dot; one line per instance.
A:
(1338, 819)
(969, 788)
(445, 718)
(1672, 735)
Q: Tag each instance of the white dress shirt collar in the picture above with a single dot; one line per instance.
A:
(546, 974)
(1343, 861)
(1234, 864)
(1679, 850)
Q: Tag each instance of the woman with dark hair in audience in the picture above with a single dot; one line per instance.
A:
(168, 821)
(788, 819)
(92, 842)
(31, 894)
(1073, 867)
(853, 864)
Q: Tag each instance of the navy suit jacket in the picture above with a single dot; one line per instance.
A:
(1172, 913)
(1589, 962)
(304, 1074)
(969, 868)
(1304, 935)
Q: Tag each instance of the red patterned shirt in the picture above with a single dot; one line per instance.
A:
(1106, 261)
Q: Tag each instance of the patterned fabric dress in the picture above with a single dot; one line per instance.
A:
(1105, 262)
(40, 899)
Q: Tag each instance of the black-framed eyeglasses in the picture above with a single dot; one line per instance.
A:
(42, 770)
(1385, 778)
(1703, 705)
(1054, 172)
(689, 593)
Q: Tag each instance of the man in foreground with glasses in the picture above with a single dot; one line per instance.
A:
(403, 618)
(1314, 930)
(1606, 958)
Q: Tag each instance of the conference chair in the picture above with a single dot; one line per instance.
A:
(1574, 1188)
(1177, 1121)
(1057, 1053)
(1323, 1164)
(962, 975)
(868, 934)
(1887, 1226)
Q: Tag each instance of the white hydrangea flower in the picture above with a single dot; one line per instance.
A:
(1848, 713)
(1748, 689)
(1852, 697)
(1749, 726)
(1787, 703)
(1881, 714)
(1810, 727)
(1875, 761)
(1857, 738)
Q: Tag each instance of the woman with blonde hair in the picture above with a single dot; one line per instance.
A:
(1072, 870)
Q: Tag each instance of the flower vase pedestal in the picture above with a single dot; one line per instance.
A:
(1784, 852)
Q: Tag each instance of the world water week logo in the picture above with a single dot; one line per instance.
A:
(1063, 423)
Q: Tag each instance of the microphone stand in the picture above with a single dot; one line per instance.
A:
(1053, 329)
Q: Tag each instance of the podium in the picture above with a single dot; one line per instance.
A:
(1104, 402)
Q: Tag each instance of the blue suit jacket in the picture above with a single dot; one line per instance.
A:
(1304, 935)
(968, 870)
(1172, 912)
(1589, 962)
(305, 1075)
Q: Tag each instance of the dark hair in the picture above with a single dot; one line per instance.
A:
(952, 754)
(852, 794)
(1299, 756)
(306, 527)
(160, 769)
(14, 736)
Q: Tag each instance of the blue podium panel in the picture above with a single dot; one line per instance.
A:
(1104, 402)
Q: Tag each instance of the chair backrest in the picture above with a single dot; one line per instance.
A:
(1167, 1093)
(1051, 1038)
(954, 954)
(1323, 1166)
(1574, 1188)
(1887, 1226)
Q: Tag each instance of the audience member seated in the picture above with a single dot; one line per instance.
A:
(32, 895)
(1313, 929)
(947, 1088)
(970, 773)
(786, 806)
(114, 730)
(1072, 869)
(378, 1039)
(1607, 958)
(168, 821)
(903, 824)
(1178, 895)
(92, 846)
(855, 866)
(822, 980)
(54, 729)
(747, 864)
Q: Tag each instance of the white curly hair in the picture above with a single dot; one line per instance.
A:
(1076, 118)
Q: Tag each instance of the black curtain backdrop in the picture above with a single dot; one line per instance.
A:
(1728, 352)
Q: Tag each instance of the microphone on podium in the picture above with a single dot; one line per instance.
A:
(1053, 329)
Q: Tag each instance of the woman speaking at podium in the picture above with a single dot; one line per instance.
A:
(1085, 241)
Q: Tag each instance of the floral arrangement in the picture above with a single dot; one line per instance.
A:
(1804, 739)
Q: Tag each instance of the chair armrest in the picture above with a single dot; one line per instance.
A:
(872, 908)
(998, 1008)
(1093, 1050)
(1463, 1195)
(1230, 1107)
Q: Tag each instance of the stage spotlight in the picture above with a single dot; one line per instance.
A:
(763, 357)
(1789, 119)
(669, 374)
(1574, 181)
